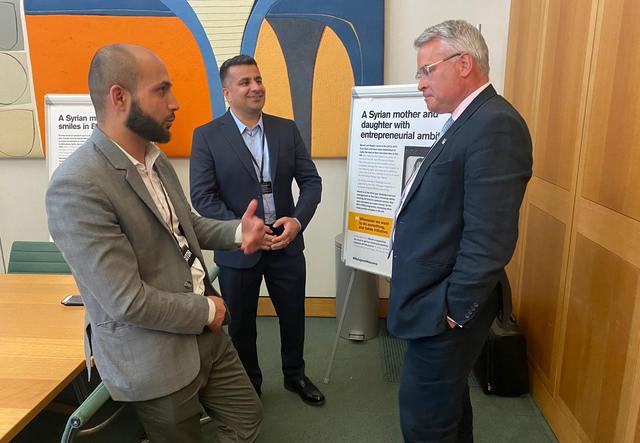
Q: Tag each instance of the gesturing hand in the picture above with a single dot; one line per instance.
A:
(252, 229)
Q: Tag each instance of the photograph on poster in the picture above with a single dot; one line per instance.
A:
(413, 156)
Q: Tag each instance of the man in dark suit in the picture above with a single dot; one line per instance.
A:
(243, 155)
(456, 228)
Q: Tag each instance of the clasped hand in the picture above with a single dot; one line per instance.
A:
(275, 242)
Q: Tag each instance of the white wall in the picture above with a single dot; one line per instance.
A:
(406, 19)
(23, 182)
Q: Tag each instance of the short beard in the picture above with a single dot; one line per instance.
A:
(141, 123)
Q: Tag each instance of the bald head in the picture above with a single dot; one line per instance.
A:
(115, 64)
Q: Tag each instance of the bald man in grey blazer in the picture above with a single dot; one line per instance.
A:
(118, 215)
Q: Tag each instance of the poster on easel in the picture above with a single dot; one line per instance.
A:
(391, 131)
(69, 122)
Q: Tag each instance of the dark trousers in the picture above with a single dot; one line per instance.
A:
(285, 278)
(221, 388)
(434, 392)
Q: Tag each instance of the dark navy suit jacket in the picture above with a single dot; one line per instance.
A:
(459, 225)
(224, 181)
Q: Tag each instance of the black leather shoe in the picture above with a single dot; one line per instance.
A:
(306, 390)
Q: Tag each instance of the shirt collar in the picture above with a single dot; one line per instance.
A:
(241, 126)
(151, 155)
(467, 101)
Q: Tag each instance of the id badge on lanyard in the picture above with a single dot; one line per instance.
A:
(266, 187)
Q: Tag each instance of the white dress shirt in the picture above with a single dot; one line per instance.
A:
(161, 198)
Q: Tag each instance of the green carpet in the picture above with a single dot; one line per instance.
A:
(362, 403)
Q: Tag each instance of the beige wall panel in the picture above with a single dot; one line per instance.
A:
(602, 298)
(611, 230)
(612, 165)
(525, 26)
(553, 200)
(541, 286)
(514, 266)
(562, 82)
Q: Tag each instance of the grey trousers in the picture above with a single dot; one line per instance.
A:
(222, 388)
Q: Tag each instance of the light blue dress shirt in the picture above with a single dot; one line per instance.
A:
(253, 139)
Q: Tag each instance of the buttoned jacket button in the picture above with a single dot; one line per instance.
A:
(188, 285)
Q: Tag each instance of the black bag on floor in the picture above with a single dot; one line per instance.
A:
(501, 368)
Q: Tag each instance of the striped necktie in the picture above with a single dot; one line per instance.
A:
(446, 126)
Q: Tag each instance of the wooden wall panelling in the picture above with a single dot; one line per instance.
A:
(595, 369)
(559, 118)
(612, 164)
(552, 200)
(521, 86)
(632, 432)
(523, 52)
(541, 288)
(549, 408)
(513, 267)
(543, 285)
(572, 72)
(604, 407)
(560, 111)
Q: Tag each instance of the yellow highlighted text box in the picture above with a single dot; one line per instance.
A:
(370, 224)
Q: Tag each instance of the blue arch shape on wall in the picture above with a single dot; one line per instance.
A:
(361, 34)
(183, 11)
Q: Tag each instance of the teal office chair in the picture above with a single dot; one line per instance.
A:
(100, 419)
(213, 273)
(30, 257)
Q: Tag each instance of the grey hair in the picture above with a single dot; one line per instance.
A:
(458, 36)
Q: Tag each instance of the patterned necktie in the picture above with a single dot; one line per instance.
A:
(446, 126)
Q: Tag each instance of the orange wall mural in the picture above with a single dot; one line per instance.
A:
(62, 47)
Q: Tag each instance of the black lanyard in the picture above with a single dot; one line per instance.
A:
(253, 159)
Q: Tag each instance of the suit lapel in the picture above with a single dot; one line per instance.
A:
(273, 143)
(121, 162)
(172, 187)
(435, 151)
(231, 132)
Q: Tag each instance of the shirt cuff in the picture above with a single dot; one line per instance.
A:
(450, 319)
(238, 238)
(212, 311)
(299, 224)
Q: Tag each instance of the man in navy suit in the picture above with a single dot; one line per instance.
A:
(455, 230)
(244, 155)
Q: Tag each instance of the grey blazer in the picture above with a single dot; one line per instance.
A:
(141, 317)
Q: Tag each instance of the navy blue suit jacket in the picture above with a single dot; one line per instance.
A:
(459, 225)
(223, 178)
